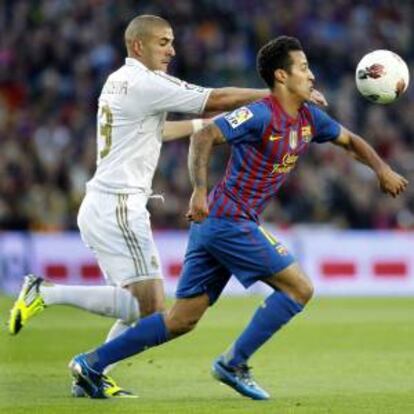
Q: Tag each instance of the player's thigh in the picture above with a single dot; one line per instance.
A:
(202, 273)
(150, 295)
(294, 282)
(117, 229)
(247, 251)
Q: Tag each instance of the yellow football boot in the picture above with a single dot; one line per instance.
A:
(111, 389)
(28, 304)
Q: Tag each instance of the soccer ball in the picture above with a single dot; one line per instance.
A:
(382, 76)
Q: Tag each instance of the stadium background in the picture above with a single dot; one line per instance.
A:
(55, 55)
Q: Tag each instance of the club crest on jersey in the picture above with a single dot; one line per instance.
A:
(238, 117)
(293, 139)
(307, 133)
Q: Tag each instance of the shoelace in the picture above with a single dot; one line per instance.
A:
(109, 384)
(32, 292)
(108, 381)
(244, 372)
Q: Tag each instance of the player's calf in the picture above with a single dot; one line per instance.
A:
(294, 283)
(185, 314)
(303, 291)
(150, 296)
(180, 324)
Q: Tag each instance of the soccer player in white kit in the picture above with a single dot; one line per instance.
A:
(113, 218)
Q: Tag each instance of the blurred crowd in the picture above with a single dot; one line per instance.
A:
(56, 54)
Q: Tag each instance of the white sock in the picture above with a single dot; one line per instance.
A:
(111, 301)
(118, 328)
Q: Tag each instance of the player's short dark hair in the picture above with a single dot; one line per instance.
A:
(275, 55)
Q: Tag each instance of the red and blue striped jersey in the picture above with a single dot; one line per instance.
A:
(265, 144)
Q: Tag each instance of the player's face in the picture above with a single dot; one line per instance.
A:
(157, 49)
(300, 80)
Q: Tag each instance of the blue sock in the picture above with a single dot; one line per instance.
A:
(148, 332)
(277, 310)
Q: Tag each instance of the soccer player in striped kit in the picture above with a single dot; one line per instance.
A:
(267, 139)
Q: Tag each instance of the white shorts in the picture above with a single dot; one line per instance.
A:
(116, 227)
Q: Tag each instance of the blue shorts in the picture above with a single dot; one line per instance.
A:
(218, 248)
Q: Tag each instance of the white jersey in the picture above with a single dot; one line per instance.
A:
(131, 113)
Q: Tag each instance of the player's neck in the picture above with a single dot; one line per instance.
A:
(133, 55)
(290, 103)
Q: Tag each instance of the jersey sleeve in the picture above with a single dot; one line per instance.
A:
(165, 93)
(325, 127)
(245, 124)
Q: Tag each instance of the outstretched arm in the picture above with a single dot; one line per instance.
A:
(390, 182)
(227, 99)
(180, 129)
(200, 149)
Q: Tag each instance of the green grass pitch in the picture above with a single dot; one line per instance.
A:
(342, 355)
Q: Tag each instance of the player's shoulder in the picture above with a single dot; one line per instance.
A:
(135, 78)
(255, 112)
(317, 113)
(168, 80)
(261, 107)
(165, 77)
(313, 112)
(134, 72)
(309, 107)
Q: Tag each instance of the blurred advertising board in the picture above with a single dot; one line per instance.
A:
(339, 262)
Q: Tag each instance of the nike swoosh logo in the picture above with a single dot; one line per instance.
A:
(275, 137)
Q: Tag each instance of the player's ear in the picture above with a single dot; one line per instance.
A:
(137, 47)
(280, 76)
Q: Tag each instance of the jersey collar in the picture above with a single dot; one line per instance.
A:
(289, 118)
(134, 62)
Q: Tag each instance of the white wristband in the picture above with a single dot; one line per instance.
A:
(197, 124)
